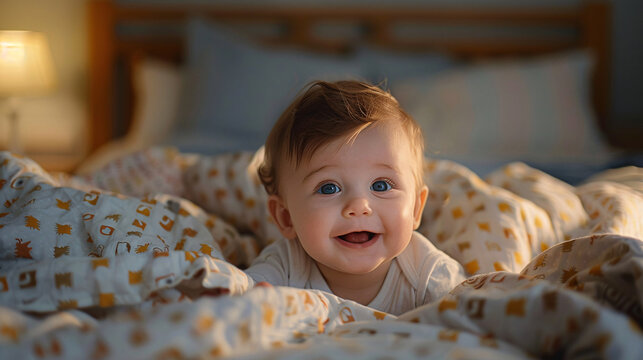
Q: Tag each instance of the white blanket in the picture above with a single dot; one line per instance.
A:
(142, 259)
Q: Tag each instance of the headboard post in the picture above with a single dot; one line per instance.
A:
(299, 30)
(101, 56)
(596, 22)
(380, 31)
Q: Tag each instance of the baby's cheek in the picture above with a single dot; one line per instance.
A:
(399, 210)
(311, 225)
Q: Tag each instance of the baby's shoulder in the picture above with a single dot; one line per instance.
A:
(282, 263)
(431, 271)
(288, 251)
(421, 255)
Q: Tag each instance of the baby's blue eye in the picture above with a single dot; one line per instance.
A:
(328, 189)
(380, 185)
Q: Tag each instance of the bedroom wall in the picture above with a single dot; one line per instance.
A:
(55, 123)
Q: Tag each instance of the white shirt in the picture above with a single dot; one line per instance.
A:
(420, 274)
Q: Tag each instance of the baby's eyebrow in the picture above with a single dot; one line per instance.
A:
(388, 166)
(324, 167)
(313, 172)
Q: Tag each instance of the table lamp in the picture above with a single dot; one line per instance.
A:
(26, 69)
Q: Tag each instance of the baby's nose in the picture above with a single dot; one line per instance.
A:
(357, 207)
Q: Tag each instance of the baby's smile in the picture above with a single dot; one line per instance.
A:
(358, 239)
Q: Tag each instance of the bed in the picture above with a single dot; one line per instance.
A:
(140, 253)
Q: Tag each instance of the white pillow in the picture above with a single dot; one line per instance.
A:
(157, 85)
(531, 110)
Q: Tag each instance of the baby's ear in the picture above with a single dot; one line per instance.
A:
(281, 216)
(420, 201)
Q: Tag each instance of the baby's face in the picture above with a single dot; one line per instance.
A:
(353, 207)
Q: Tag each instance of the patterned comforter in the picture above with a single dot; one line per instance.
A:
(144, 258)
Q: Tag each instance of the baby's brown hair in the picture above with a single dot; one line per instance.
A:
(327, 111)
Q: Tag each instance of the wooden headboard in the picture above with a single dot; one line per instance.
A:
(589, 23)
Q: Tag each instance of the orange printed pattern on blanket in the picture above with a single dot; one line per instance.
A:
(490, 229)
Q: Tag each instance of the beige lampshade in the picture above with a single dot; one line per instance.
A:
(26, 67)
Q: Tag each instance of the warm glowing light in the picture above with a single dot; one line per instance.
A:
(12, 52)
(26, 67)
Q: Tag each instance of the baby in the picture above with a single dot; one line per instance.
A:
(343, 170)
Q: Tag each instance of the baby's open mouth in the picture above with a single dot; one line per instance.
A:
(358, 237)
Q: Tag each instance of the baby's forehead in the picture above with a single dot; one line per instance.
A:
(389, 143)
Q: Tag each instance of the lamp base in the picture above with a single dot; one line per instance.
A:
(15, 145)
